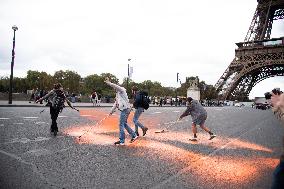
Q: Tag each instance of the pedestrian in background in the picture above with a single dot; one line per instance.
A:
(122, 104)
(94, 98)
(99, 97)
(198, 115)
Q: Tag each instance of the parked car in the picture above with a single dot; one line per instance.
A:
(239, 105)
(262, 106)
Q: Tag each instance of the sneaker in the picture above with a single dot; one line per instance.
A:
(119, 143)
(193, 139)
(137, 134)
(212, 136)
(145, 129)
(133, 139)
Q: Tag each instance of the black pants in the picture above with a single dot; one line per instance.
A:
(54, 115)
(278, 180)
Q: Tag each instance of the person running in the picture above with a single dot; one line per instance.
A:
(56, 98)
(198, 115)
(139, 109)
(122, 104)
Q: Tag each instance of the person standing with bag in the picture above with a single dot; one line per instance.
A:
(138, 104)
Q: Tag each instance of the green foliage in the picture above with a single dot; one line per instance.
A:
(4, 84)
(73, 83)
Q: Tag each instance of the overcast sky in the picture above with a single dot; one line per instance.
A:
(162, 37)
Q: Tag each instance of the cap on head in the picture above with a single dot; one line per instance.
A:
(189, 99)
(57, 86)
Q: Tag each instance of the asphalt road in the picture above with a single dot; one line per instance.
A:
(243, 155)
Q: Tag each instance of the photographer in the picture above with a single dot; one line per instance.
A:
(277, 102)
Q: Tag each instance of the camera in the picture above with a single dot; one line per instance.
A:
(275, 91)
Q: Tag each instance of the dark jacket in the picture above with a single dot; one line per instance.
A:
(138, 99)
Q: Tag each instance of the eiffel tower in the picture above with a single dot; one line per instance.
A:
(257, 58)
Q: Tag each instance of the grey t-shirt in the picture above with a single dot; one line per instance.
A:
(196, 110)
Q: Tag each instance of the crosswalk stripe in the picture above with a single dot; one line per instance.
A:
(156, 112)
(30, 117)
(62, 116)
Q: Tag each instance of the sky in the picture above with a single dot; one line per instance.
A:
(161, 37)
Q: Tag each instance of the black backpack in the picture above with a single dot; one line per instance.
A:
(58, 99)
(142, 100)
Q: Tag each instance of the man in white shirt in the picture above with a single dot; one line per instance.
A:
(122, 104)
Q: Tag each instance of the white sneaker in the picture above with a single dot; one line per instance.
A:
(119, 143)
(133, 139)
(212, 136)
(193, 139)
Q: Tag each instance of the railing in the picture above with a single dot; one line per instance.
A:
(262, 43)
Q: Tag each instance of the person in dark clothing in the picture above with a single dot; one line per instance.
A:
(198, 115)
(277, 102)
(139, 109)
(161, 102)
(56, 98)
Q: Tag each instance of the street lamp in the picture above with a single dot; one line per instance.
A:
(15, 28)
(176, 90)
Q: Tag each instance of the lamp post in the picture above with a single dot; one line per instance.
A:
(127, 81)
(176, 90)
(15, 28)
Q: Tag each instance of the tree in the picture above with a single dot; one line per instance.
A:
(69, 79)
(59, 77)
(72, 81)
(4, 84)
(33, 78)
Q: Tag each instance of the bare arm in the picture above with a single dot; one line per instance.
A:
(45, 97)
(185, 113)
(115, 86)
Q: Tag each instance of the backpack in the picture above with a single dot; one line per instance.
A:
(58, 99)
(142, 100)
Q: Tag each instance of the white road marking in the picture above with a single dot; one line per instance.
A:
(40, 122)
(30, 117)
(22, 140)
(86, 115)
(156, 112)
(41, 139)
(176, 111)
(18, 123)
(39, 152)
(4, 118)
(62, 116)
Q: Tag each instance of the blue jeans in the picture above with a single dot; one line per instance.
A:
(123, 125)
(278, 176)
(137, 114)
